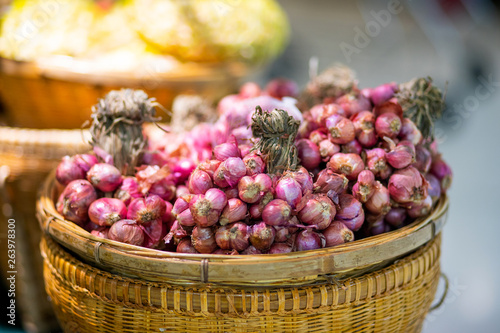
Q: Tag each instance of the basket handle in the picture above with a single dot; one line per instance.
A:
(443, 296)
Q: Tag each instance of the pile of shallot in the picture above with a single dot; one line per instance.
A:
(268, 177)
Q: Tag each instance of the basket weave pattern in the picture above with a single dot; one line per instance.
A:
(393, 299)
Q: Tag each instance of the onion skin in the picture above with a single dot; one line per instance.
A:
(308, 154)
(153, 232)
(75, 200)
(349, 165)
(235, 210)
(319, 211)
(309, 240)
(277, 213)
(104, 177)
(340, 128)
(262, 236)
(289, 190)
(199, 182)
(165, 189)
(127, 231)
(337, 233)
(144, 210)
(364, 187)
(234, 236)
(350, 212)
(203, 239)
(225, 150)
(407, 186)
(106, 211)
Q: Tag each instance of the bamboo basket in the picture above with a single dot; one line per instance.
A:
(62, 96)
(384, 283)
(297, 268)
(393, 299)
(26, 157)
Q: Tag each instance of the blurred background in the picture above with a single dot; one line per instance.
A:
(457, 43)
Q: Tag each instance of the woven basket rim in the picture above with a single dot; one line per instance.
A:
(50, 68)
(349, 259)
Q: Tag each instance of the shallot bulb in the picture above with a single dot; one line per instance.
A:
(232, 192)
(234, 236)
(68, 170)
(309, 240)
(153, 232)
(104, 177)
(209, 166)
(337, 233)
(388, 107)
(281, 87)
(75, 200)
(321, 112)
(164, 188)
(144, 210)
(364, 187)
(348, 164)
(380, 200)
(376, 227)
(442, 171)
(181, 204)
(330, 183)
(181, 191)
(350, 212)
(383, 92)
(225, 150)
(207, 208)
(128, 190)
(235, 210)
(327, 149)
(252, 188)
(407, 186)
(402, 155)
(289, 190)
(423, 159)
(127, 231)
(251, 250)
(185, 246)
(257, 208)
(106, 211)
(101, 232)
(319, 211)
(317, 136)
(421, 209)
(277, 213)
(303, 177)
(262, 236)
(376, 162)
(230, 172)
(308, 154)
(182, 169)
(388, 124)
(410, 132)
(434, 189)
(340, 128)
(280, 248)
(254, 163)
(396, 217)
(364, 125)
(203, 239)
(353, 104)
(199, 182)
(352, 147)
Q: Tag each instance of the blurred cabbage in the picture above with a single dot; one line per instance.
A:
(189, 30)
